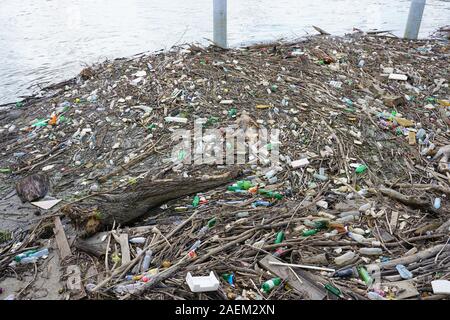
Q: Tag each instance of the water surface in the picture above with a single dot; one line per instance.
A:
(47, 41)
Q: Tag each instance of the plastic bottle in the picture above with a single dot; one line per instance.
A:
(364, 275)
(129, 288)
(244, 185)
(147, 260)
(138, 240)
(346, 273)
(211, 223)
(280, 237)
(34, 256)
(320, 177)
(310, 232)
(375, 296)
(371, 251)
(404, 273)
(270, 194)
(260, 204)
(420, 134)
(356, 237)
(437, 203)
(270, 284)
(196, 201)
(203, 231)
(242, 214)
(279, 252)
(24, 254)
(195, 245)
(365, 207)
(345, 258)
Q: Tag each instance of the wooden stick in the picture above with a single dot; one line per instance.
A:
(276, 263)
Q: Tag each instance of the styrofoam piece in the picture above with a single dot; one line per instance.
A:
(441, 286)
(202, 284)
(46, 204)
(299, 163)
(396, 76)
(176, 119)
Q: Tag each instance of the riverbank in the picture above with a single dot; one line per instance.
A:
(369, 113)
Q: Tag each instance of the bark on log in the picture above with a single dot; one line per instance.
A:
(124, 206)
(411, 201)
(430, 252)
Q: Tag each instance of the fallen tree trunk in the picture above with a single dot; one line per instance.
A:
(123, 206)
(411, 201)
(421, 255)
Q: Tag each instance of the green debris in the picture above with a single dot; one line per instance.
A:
(5, 170)
(332, 289)
(196, 201)
(40, 123)
(232, 112)
(181, 154)
(212, 222)
(5, 235)
(310, 232)
(280, 237)
(361, 169)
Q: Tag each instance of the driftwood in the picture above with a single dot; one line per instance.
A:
(124, 206)
(321, 31)
(428, 253)
(411, 201)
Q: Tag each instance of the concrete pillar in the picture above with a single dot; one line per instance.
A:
(414, 19)
(220, 23)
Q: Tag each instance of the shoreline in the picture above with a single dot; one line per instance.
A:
(256, 43)
(364, 131)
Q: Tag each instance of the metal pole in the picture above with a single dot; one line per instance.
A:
(220, 23)
(414, 19)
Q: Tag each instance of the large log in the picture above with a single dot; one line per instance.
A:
(124, 206)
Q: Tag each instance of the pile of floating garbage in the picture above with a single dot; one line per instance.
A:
(356, 207)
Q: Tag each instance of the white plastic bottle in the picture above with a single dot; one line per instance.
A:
(137, 240)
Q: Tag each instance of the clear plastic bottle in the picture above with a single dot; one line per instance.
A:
(371, 251)
(195, 245)
(345, 258)
(147, 260)
(34, 256)
(129, 288)
(375, 296)
(356, 237)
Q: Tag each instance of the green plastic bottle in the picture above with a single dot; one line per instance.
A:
(212, 222)
(270, 194)
(364, 275)
(280, 237)
(333, 290)
(196, 201)
(310, 232)
(244, 185)
(233, 188)
(270, 284)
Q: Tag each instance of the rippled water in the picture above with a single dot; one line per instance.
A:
(46, 41)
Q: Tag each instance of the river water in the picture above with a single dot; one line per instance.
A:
(47, 41)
